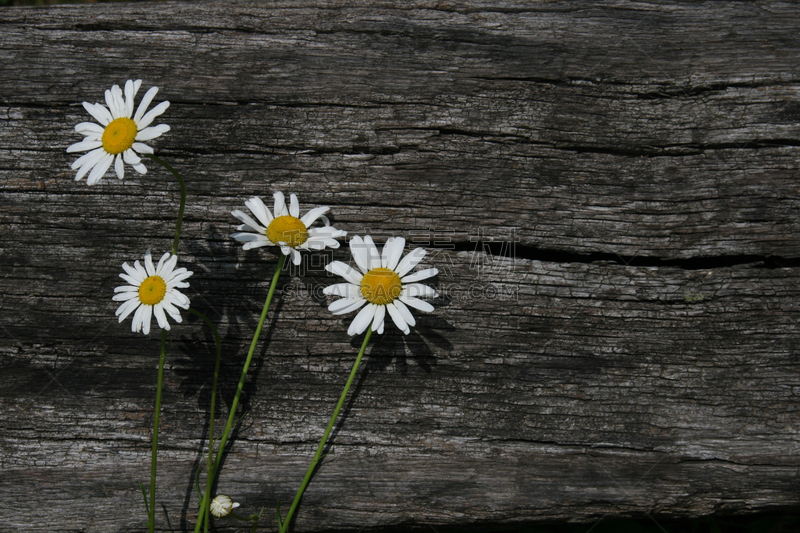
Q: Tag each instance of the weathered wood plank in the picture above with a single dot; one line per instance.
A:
(609, 191)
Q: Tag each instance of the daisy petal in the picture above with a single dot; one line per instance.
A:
(260, 210)
(250, 224)
(362, 320)
(119, 167)
(148, 134)
(100, 169)
(346, 305)
(127, 308)
(280, 205)
(130, 157)
(144, 104)
(87, 128)
(397, 318)
(344, 270)
(377, 320)
(294, 206)
(392, 252)
(99, 113)
(142, 148)
(411, 260)
(418, 290)
(373, 257)
(360, 253)
(84, 146)
(161, 317)
(404, 312)
(422, 305)
(345, 290)
(151, 115)
(312, 216)
(420, 275)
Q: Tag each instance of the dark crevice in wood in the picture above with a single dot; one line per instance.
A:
(513, 250)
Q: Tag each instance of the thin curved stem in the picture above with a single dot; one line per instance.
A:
(202, 514)
(318, 454)
(213, 410)
(179, 222)
(151, 519)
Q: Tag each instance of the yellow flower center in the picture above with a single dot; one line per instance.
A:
(119, 135)
(381, 286)
(152, 290)
(287, 229)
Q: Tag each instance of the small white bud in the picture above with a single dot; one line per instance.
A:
(222, 506)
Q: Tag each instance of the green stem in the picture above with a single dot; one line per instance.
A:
(212, 472)
(179, 223)
(213, 410)
(324, 440)
(151, 519)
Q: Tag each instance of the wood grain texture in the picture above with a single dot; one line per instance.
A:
(609, 191)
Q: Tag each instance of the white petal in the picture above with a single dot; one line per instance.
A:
(148, 263)
(99, 113)
(151, 115)
(140, 168)
(130, 94)
(296, 259)
(344, 270)
(260, 210)
(111, 102)
(84, 145)
(125, 296)
(373, 257)
(410, 261)
(100, 168)
(127, 308)
(119, 167)
(256, 244)
(87, 128)
(404, 312)
(130, 157)
(392, 252)
(88, 160)
(143, 105)
(345, 290)
(346, 305)
(312, 216)
(134, 273)
(420, 275)
(360, 253)
(93, 155)
(250, 237)
(418, 290)
(161, 317)
(166, 265)
(142, 148)
(362, 320)
(250, 224)
(397, 318)
(294, 206)
(377, 320)
(280, 205)
(422, 305)
(151, 133)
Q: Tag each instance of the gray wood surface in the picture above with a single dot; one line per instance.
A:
(611, 194)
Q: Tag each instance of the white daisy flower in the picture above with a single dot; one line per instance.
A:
(120, 134)
(286, 229)
(152, 290)
(222, 506)
(383, 285)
